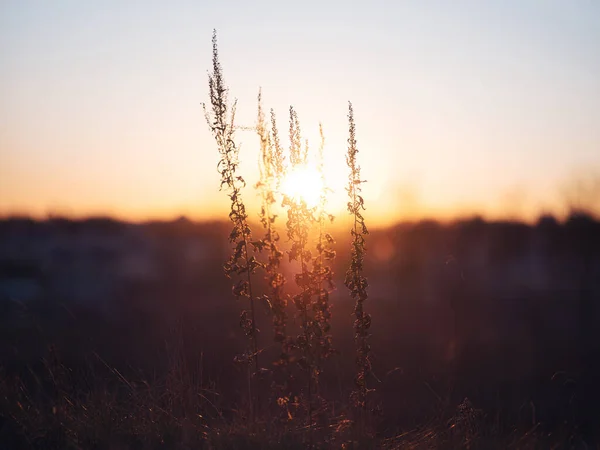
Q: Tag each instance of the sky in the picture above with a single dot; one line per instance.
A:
(461, 107)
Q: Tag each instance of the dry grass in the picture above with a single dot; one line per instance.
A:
(179, 412)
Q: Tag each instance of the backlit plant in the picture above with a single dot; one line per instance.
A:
(355, 281)
(309, 249)
(221, 120)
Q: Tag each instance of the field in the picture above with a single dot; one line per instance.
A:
(498, 313)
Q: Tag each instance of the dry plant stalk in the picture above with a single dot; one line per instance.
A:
(322, 275)
(355, 280)
(315, 277)
(300, 218)
(221, 121)
(271, 170)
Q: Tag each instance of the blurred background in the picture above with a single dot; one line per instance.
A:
(478, 126)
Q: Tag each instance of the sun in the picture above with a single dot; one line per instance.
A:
(303, 183)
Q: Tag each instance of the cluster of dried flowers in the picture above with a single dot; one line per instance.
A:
(311, 255)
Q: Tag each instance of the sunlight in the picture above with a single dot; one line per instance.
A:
(303, 183)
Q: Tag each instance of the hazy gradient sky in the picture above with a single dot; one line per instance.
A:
(460, 105)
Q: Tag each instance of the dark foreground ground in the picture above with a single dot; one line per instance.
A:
(118, 336)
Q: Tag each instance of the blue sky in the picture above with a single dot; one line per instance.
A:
(460, 106)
